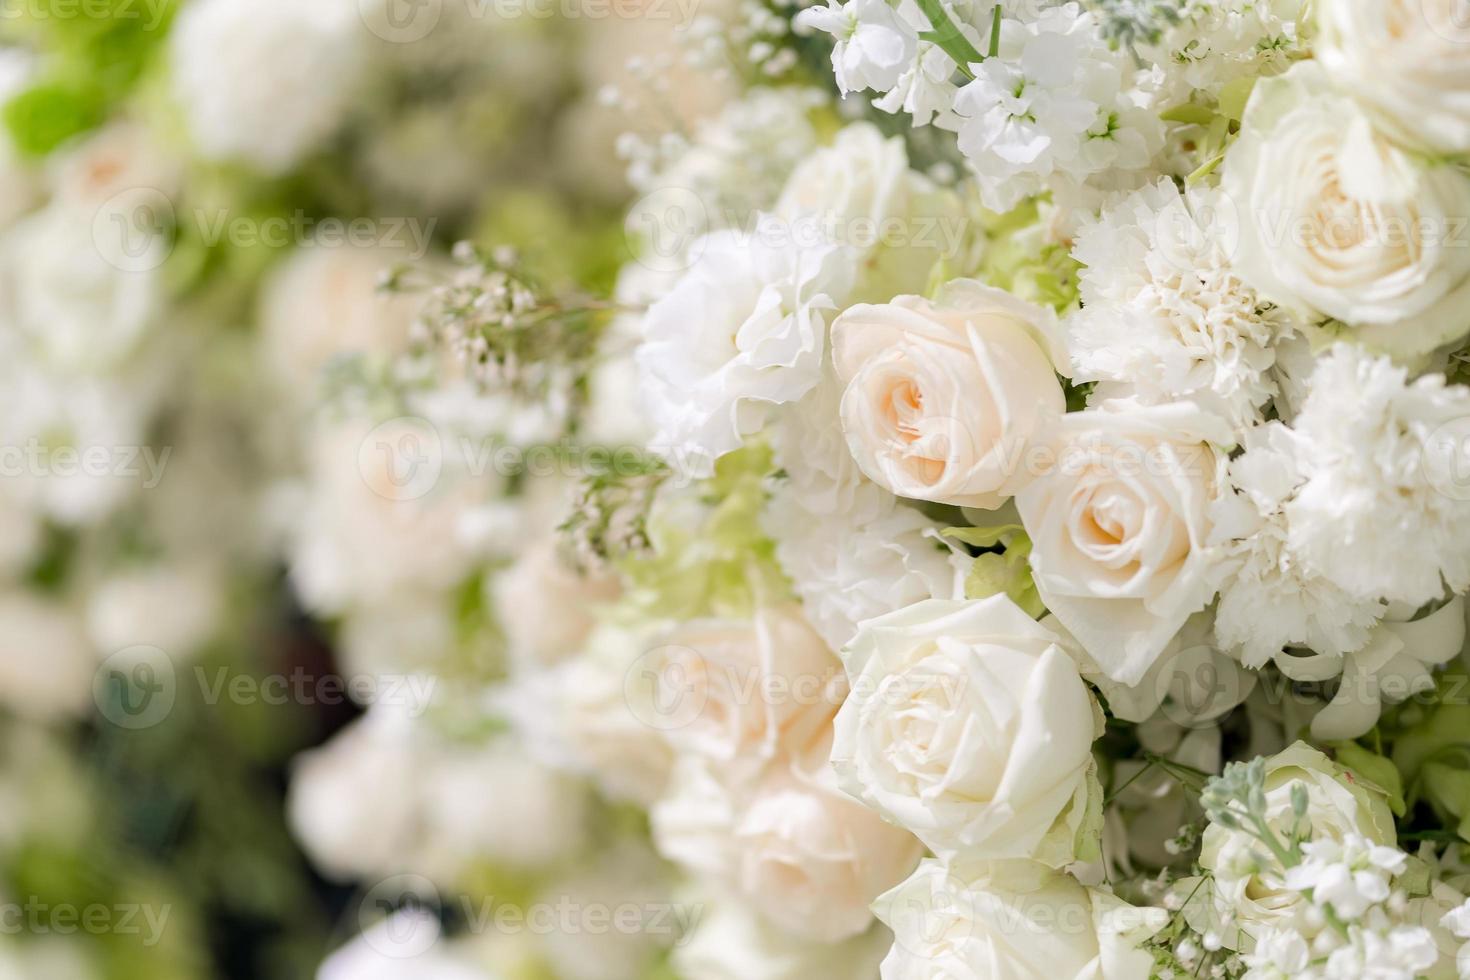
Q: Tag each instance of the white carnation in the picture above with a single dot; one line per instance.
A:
(846, 573)
(1271, 598)
(744, 329)
(1375, 515)
(1164, 316)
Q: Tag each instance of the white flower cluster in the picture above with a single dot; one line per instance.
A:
(1176, 422)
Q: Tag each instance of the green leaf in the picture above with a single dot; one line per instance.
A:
(1234, 96)
(42, 118)
(983, 537)
(1189, 112)
(1375, 769)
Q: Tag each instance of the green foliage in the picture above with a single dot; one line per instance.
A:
(710, 557)
(1003, 567)
(96, 53)
(1374, 768)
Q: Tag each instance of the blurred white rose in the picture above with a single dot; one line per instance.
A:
(1336, 221)
(353, 802)
(77, 294)
(323, 302)
(734, 942)
(46, 664)
(943, 398)
(811, 858)
(1408, 61)
(1012, 920)
(969, 725)
(388, 796)
(743, 692)
(385, 511)
(863, 194)
(174, 607)
(266, 81)
(406, 946)
(587, 715)
(1118, 521)
(545, 606)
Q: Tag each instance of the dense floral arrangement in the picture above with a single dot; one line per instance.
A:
(995, 505)
(1059, 538)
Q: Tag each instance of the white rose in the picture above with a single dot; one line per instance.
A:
(743, 692)
(734, 942)
(1250, 884)
(969, 725)
(1012, 920)
(1406, 60)
(942, 398)
(1336, 220)
(862, 193)
(1118, 524)
(743, 330)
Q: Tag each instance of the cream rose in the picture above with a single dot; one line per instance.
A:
(1250, 885)
(1406, 60)
(734, 942)
(942, 398)
(812, 857)
(740, 693)
(794, 846)
(546, 607)
(969, 725)
(1336, 221)
(1012, 920)
(1118, 525)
